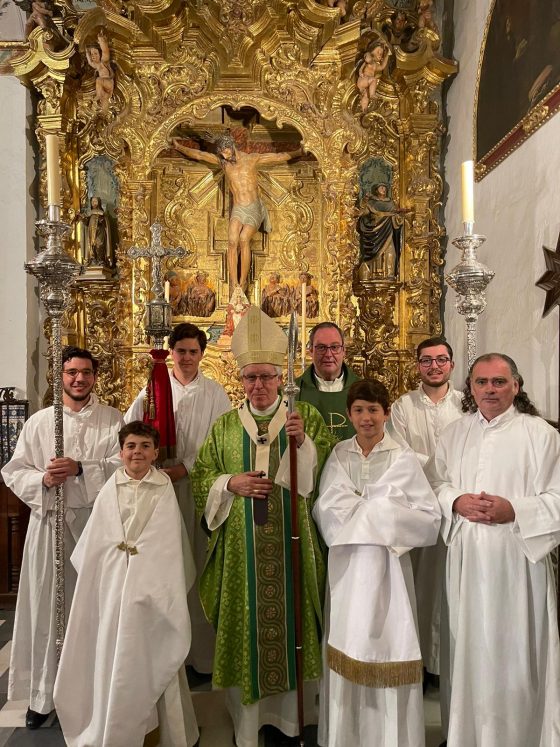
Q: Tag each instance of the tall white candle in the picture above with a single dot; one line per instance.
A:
(303, 319)
(467, 180)
(53, 170)
(257, 300)
(166, 292)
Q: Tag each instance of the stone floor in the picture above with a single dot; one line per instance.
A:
(213, 719)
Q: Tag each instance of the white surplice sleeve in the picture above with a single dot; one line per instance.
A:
(23, 474)
(537, 516)
(398, 511)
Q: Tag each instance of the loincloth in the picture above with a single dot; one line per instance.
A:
(253, 214)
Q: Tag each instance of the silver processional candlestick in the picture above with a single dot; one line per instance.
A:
(469, 280)
(55, 270)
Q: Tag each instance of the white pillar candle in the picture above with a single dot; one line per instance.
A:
(53, 170)
(467, 180)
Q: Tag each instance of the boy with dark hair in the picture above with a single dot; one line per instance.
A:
(374, 504)
(122, 672)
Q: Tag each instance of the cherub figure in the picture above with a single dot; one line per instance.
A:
(425, 19)
(375, 61)
(41, 13)
(99, 57)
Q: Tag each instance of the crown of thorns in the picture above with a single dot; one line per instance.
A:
(224, 141)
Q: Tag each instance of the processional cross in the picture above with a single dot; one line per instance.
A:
(159, 310)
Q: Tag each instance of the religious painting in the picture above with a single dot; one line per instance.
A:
(519, 77)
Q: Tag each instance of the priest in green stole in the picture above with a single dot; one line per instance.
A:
(240, 483)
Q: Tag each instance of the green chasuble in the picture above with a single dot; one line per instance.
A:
(331, 405)
(245, 586)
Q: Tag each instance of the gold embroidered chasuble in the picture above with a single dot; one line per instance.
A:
(245, 587)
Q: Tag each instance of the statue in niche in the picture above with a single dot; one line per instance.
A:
(249, 212)
(99, 58)
(275, 297)
(380, 228)
(374, 62)
(200, 298)
(98, 246)
(311, 296)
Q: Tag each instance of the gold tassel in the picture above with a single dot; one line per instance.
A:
(375, 673)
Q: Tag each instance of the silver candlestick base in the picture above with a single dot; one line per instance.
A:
(55, 270)
(469, 280)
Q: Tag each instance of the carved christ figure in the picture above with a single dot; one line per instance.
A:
(248, 212)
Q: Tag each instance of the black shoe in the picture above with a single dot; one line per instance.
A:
(34, 720)
(197, 679)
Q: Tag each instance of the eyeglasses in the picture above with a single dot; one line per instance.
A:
(322, 349)
(87, 373)
(439, 360)
(263, 378)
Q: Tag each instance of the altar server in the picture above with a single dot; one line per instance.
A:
(90, 457)
(374, 504)
(496, 473)
(122, 671)
(197, 402)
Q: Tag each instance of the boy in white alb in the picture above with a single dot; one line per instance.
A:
(374, 505)
(122, 672)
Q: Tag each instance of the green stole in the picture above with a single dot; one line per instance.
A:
(269, 576)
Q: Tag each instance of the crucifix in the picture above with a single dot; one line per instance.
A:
(159, 398)
(159, 310)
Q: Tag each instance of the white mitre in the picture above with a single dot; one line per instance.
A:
(257, 339)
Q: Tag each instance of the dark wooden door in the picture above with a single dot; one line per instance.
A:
(14, 517)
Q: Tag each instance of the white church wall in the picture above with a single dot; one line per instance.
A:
(517, 207)
(21, 364)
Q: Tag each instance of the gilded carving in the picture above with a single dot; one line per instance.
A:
(285, 73)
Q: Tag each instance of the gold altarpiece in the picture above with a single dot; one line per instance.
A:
(282, 73)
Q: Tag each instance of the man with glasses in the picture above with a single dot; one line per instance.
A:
(240, 481)
(325, 383)
(91, 455)
(496, 474)
(197, 402)
(418, 418)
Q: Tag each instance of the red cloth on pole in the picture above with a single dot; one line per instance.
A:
(158, 405)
